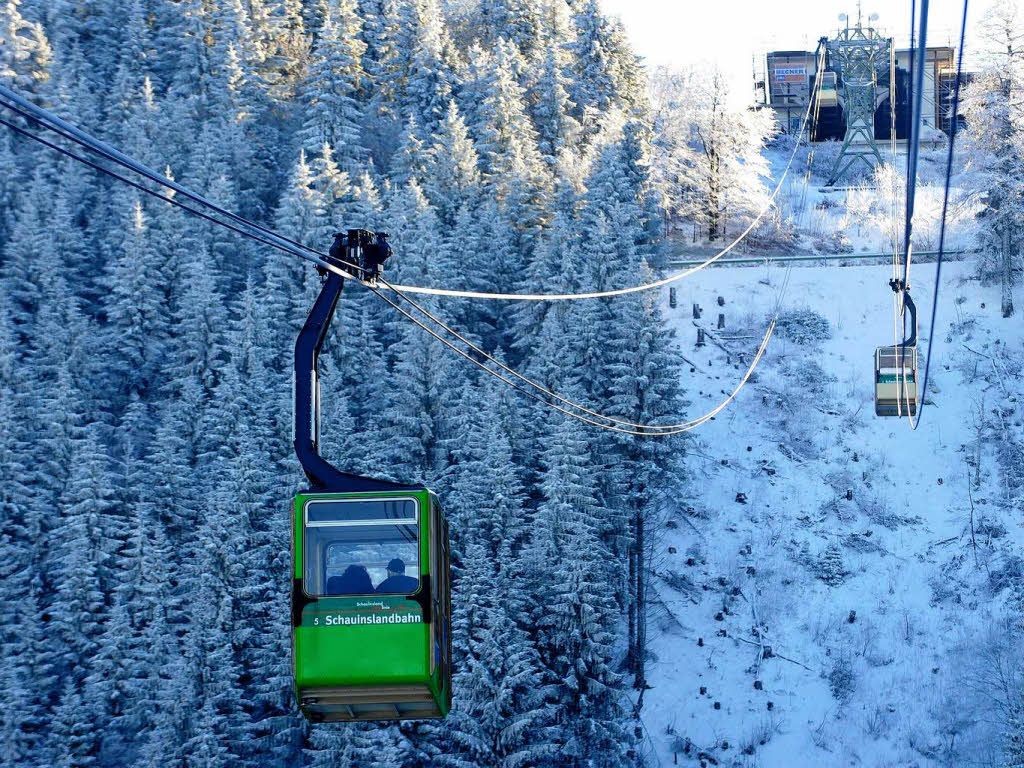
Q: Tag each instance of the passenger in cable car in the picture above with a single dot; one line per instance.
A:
(354, 581)
(397, 582)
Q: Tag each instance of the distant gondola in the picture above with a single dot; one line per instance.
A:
(896, 372)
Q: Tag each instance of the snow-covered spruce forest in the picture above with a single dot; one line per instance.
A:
(146, 369)
(613, 596)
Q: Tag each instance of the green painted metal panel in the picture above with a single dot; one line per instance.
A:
(372, 655)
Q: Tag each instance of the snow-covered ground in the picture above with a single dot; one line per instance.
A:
(887, 665)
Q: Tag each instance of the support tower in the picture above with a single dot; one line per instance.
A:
(859, 54)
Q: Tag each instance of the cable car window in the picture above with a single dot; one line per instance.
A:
(361, 548)
(360, 510)
(362, 560)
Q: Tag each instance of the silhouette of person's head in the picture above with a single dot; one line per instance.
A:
(354, 581)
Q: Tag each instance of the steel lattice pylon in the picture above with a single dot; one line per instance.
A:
(859, 54)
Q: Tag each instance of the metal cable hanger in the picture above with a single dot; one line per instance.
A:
(902, 286)
(945, 205)
(899, 304)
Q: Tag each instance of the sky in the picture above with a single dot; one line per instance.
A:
(732, 32)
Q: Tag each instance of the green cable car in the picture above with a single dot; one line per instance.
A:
(371, 594)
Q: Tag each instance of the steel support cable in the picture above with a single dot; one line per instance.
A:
(266, 236)
(51, 122)
(945, 205)
(153, 193)
(644, 432)
(647, 430)
(55, 124)
(540, 387)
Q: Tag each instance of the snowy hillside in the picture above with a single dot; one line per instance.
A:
(845, 610)
(797, 583)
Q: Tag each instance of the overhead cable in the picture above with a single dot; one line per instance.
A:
(945, 206)
(51, 122)
(292, 247)
(147, 190)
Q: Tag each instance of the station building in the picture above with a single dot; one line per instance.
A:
(790, 77)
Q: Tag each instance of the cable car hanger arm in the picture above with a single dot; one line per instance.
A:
(368, 251)
(899, 286)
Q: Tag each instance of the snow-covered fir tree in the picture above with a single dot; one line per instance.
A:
(145, 364)
(995, 141)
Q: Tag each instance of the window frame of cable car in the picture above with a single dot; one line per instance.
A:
(312, 557)
(434, 615)
(444, 589)
(440, 598)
